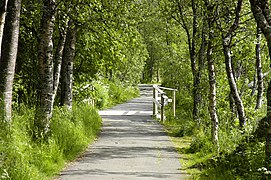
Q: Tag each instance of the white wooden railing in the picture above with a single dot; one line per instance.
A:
(160, 100)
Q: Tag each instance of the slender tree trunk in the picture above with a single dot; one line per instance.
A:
(46, 70)
(262, 16)
(3, 10)
(226, 43)
(9, 55)
(254, 85)
(191, 38)
(232, 83)
(196, 97)
(259, 70)
(67, 66)
(193, 59)
(58, 60)
(212, 75)
(212, 93)
(232, 106)
(198, 76)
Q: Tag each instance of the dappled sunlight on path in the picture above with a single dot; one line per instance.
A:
(131, 146)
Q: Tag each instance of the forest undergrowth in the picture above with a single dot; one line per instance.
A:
(71, 132)
(239, 156)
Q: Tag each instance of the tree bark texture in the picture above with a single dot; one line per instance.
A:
(193, 59)
(9, 55)
(255, 82)
(58, 60)
(3, 10)
(232, 106)
(232, 83)
(226, 42)
(259, 70)
(198, 74)
(212, 76)
(67, 66)
(212, 94)
(46, 70)
(262, 16)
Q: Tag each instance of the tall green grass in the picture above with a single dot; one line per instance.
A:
(239, 157)
(71, 132)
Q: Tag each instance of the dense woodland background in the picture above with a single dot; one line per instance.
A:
(57, 57)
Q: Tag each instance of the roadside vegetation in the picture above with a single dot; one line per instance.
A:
(239, 156)
(61, 61)
(71, 132)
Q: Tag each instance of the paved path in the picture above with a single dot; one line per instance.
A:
(131, 146)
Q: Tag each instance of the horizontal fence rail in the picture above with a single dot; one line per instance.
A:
(160, 100)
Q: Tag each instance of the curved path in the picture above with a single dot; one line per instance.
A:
(131, 146)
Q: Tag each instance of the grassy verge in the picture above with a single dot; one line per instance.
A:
(182, 145)
(244, 161)
(187, 160)
(192, 163)
(71, 132)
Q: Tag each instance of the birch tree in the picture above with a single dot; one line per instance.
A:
(259, 70)
(9, 55)
(59, 56)
(3, 9)
(192, 38)
(211, 71)
(67, 66)
(226, 43)
(46, 70)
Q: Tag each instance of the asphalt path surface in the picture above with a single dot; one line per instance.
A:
(131, 146)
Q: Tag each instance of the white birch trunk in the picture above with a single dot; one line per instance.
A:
(226, 43)
(9, 55)
(3, 10)
(46, 70)
(58, 60)
(233, 87)
(67, 66)
(212, 85)
(259, 70)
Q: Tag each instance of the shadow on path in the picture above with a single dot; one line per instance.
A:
(130, 146)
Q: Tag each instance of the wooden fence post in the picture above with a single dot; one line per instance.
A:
(154, 106)
(174, 103)
(162, 107)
